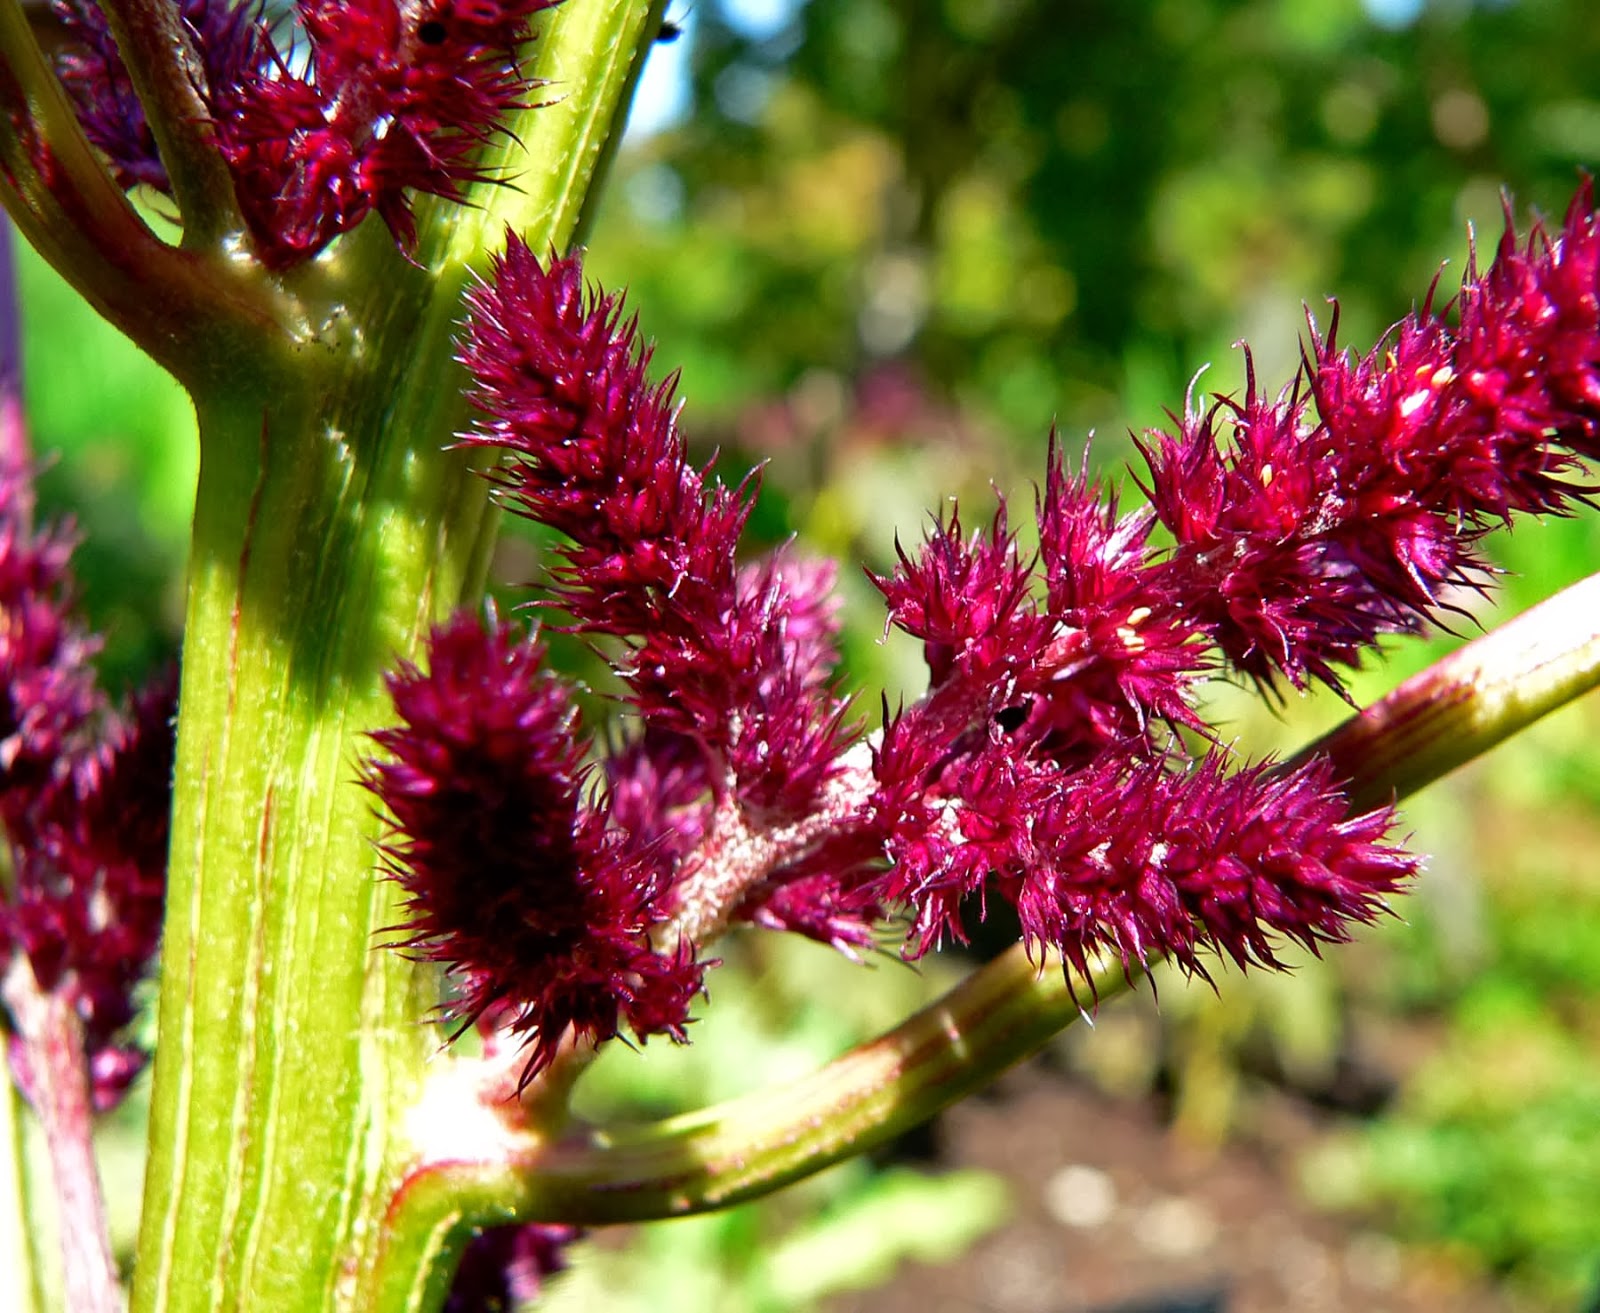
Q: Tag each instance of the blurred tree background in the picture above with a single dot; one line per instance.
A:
(890, 244)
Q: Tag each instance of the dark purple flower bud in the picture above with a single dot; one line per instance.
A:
(91, 882)
(1132, 856)
(1530, 336)
(47, 686)
(541, 909)
(785, 728)
(1110, 650)
(381, 101)
(232, 43)
(659, 785)
(797, 594)
(394, 99)
(594, 450)
(506, 1267)
(1123, 650)
(1302, 542)
(968, 600)
(1144, 861)
(1492, 419)
(827, 899)
(1268, 555)
(942, 852)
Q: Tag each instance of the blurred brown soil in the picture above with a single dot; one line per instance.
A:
(1113, 1214)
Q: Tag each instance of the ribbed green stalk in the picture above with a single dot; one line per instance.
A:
(321, 549)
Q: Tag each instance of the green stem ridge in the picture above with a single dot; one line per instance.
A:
(19, 1265)
(488, 1171)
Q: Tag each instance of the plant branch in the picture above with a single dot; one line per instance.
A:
(172, 303)
(167, 74)
(1463, 705)
(480, 1168)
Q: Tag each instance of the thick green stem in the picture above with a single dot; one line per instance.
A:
(330, 530)
(286, 1042)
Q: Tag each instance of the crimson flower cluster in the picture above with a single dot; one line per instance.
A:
(84, 796)
(1299, 543)
(362, 103)
(573, 884)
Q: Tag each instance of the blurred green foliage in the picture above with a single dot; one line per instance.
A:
(116, 436)
(1063, 211)
(1491, 1150)
(889, 246)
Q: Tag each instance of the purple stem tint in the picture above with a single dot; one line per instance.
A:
(50, 1045)
(13, 428)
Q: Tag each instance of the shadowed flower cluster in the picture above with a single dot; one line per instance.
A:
(559, 907)
(1051, 763)
(84, 796)
(362, 103)
(506, 1267)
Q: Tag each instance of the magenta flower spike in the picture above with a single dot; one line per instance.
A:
(539, 905)
(1045, 765)
(366, 104)
(84, 796)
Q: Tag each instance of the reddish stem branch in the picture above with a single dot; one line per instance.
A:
(167, 73)
(55, 1076)
(1462, 706)
(175, 304)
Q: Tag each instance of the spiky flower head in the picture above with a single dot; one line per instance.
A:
(542, 908)
(351, 110)
(1059, 761)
